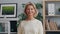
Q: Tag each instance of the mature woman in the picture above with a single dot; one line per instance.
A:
(30, 25)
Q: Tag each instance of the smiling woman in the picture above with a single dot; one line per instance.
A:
(30, 25)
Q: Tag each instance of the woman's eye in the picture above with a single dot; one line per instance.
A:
(31, 9)
(27, 9)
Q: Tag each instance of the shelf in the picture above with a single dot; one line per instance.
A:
(9, 19)
(7, 32)
(51, 19)
(3, 32)
(52, 15)
(49, 0)
(51, 25)
(58, 0)
(53, 30)
(13, 32)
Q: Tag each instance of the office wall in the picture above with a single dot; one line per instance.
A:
(19, 2)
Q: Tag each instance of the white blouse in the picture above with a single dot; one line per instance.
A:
(30, 27)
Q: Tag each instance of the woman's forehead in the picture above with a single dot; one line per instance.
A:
(30, 6)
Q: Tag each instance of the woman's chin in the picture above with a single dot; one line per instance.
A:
(30, 15)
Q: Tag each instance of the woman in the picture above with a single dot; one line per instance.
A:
(30, 25)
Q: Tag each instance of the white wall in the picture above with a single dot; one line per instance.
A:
(19, 2)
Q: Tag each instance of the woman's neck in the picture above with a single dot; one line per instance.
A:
(30, 18)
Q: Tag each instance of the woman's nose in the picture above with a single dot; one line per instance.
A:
(30, 10)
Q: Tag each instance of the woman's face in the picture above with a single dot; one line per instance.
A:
(30, 10)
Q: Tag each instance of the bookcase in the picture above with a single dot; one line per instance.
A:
(51, 16)
(8, 25)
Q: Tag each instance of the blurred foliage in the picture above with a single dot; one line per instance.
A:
(38, 5)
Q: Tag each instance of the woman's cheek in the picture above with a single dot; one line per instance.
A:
(27, 11)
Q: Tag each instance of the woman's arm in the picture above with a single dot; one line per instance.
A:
(19, 29)
(41, 28)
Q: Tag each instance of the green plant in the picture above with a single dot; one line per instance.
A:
(23, 5)
(59, 9)
(22, 16)
(39, 17)
(38, 5)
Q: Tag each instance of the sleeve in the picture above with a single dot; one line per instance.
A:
(19, 29)
(41, 28)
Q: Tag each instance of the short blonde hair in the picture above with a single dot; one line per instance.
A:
(29, 3)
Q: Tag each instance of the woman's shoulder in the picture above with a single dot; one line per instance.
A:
(38, 21)
(22, 21)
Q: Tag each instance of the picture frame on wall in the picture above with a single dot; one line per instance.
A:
(8, 9)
